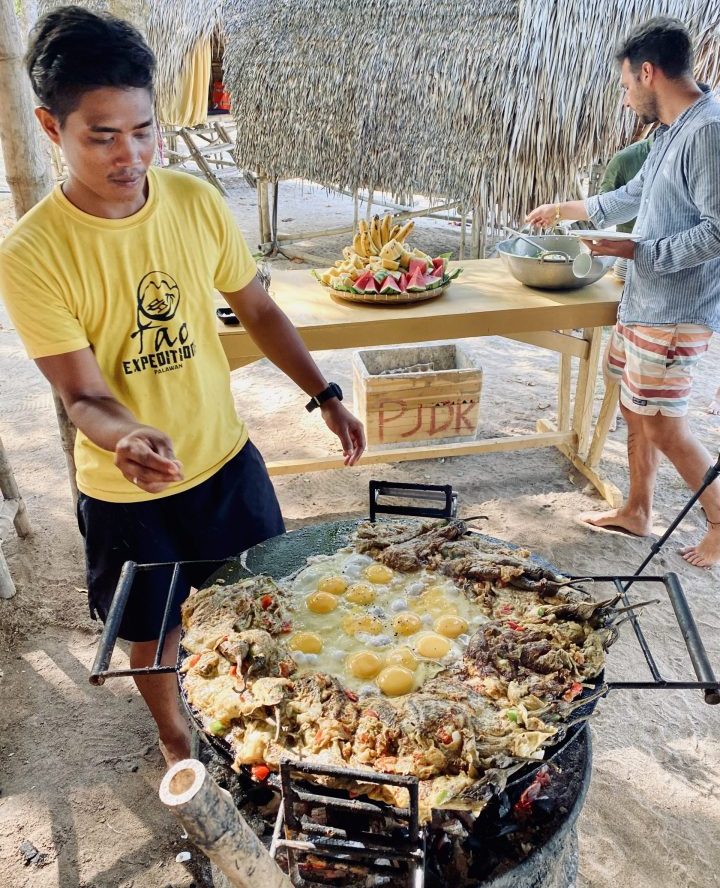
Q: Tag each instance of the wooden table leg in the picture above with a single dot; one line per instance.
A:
(585, 390)
(585, 456)
(608, 409)
(564, 382)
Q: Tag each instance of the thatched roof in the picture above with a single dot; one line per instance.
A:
(495, 102)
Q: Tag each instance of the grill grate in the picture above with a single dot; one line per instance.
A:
(353, 848)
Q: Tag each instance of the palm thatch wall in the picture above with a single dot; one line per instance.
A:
(498, 103)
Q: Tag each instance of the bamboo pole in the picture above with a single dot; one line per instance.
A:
(463, 220)
(356, 209)
(216, 827)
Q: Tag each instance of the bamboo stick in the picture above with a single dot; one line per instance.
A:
(216, 827)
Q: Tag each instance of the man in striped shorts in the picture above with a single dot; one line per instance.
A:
(671, 301)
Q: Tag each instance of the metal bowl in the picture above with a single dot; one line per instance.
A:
(553, 272)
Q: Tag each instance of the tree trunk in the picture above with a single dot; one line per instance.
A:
(27, 161)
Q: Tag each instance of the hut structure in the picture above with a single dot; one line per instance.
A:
(496, 105)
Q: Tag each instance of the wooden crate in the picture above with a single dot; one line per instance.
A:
(429, 405)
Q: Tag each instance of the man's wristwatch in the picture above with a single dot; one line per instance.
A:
(332, 391)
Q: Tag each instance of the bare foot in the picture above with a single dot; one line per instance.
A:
(713, 407)
(707, 551)
(618, 520)
(175, 750)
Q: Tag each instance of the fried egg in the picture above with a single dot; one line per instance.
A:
(374, 627)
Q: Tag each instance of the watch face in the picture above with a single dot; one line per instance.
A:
(337, 391)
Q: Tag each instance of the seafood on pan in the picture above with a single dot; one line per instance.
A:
(418, 649)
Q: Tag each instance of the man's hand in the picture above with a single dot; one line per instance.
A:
(623, 249)
(543, 216)
(348, 428)
(145, 457)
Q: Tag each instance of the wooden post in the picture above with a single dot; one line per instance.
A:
(463, 221)
(11, 493)
(217, 828)
(368, 211)
(68, 433)
(263, 206)
(26, 158)
(356, 209)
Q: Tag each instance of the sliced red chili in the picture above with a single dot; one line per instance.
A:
(260, 772)
(193, 660)
(573, 691)
(516, 626)
(266, 601)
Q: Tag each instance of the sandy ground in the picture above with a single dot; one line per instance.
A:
(79, 769)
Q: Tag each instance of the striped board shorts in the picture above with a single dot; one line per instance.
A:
(655, 365)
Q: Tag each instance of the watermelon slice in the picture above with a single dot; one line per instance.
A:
(454, 273)
(390, 285)
(439, 265)
(371, 286)
(416, 283)
(380, 277)
(417, 265)
(363, 281)
(432, 281)
(403, 282)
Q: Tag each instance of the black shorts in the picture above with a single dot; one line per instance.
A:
(230, 512)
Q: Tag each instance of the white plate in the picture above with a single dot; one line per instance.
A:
(602, 234)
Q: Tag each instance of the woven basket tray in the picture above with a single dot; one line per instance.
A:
(388, 298)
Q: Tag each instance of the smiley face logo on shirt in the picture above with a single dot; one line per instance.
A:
(158, 296)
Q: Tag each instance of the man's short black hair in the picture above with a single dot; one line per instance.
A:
(73, 50)
(662, 41)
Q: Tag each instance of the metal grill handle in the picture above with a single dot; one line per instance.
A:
(691, 636)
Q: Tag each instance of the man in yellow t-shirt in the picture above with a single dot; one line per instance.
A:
(109, 282)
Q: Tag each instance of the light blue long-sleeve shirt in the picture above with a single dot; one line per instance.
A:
(675, 276)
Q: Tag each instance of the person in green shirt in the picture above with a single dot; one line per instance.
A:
(623, 167)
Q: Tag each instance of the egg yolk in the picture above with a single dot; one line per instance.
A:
(450, 626)
(407, 624)
(364, 664)
(402, 656)
(321, 602)
(307, 642)
(394, 681)
(362, 623)
(333, 585)
(433, 602)
(378, 573)
(360, 593)
(432, 646)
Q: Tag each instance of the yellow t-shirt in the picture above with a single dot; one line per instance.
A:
(139, 292)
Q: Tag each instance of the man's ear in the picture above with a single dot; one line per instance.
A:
(647, 73)
(49, 124)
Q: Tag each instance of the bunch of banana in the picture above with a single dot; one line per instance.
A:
(377, 246)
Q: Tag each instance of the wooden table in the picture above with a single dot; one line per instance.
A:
(485, 301)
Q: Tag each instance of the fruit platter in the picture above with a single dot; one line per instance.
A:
(380, 267)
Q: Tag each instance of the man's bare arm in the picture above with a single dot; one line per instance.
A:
(279, 341)
(143, 454)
